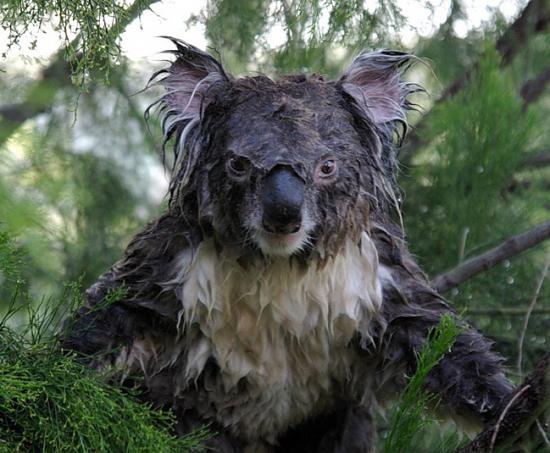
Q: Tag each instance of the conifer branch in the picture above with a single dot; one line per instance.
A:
(55, 76)
(507, 249)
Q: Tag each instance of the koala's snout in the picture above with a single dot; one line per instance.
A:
(282, 198)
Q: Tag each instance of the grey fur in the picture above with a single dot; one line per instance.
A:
(184, 324)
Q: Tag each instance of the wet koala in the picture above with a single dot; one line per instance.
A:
(275, 299)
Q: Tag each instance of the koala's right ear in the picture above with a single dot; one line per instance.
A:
(374, 80)
(187, 83)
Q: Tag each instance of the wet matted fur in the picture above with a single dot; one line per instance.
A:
(276, 298)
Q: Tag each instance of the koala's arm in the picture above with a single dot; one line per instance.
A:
(469, 378)
(98, 328)
(101, 329)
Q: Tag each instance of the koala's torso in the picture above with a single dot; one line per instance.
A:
(279, 332)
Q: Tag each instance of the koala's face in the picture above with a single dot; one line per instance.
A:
(282, 166)
(289, 170)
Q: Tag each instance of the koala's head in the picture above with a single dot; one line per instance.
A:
(285, 166)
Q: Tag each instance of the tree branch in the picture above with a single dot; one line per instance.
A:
(19, 112)
(533, 88)
(540, 159)
(534, 18)
(517, 413)
(56, 75)
(510, 247)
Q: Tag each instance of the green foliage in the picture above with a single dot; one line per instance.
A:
(456, 198)
(89, 30)
(51, 403)
(73, 210)
(465, 193)
(48, 401)
(408, 418)
(10, 258)
(450, 55)
(313, 31)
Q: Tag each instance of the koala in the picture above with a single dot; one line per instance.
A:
(275, 299)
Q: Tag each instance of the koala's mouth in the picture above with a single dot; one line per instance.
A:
(278, 244)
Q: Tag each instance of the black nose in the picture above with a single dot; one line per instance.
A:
(282, 198)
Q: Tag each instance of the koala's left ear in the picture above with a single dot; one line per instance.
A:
(374, 80)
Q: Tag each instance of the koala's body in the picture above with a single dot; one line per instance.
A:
(276, 299)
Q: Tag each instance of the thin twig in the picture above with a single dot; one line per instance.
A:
(503, 414)
(528, 314)
(542, 432)
(463, 238)
(510, 247)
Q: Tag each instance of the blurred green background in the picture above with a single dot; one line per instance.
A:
(80, 172)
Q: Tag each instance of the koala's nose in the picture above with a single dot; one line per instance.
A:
(282, 197)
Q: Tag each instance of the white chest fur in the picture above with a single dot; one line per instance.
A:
(281, 327)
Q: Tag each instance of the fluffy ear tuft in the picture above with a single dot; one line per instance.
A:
(374, 80)
(187, 82)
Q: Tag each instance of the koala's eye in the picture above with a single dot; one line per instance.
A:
(326, 170)
(238, 166)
